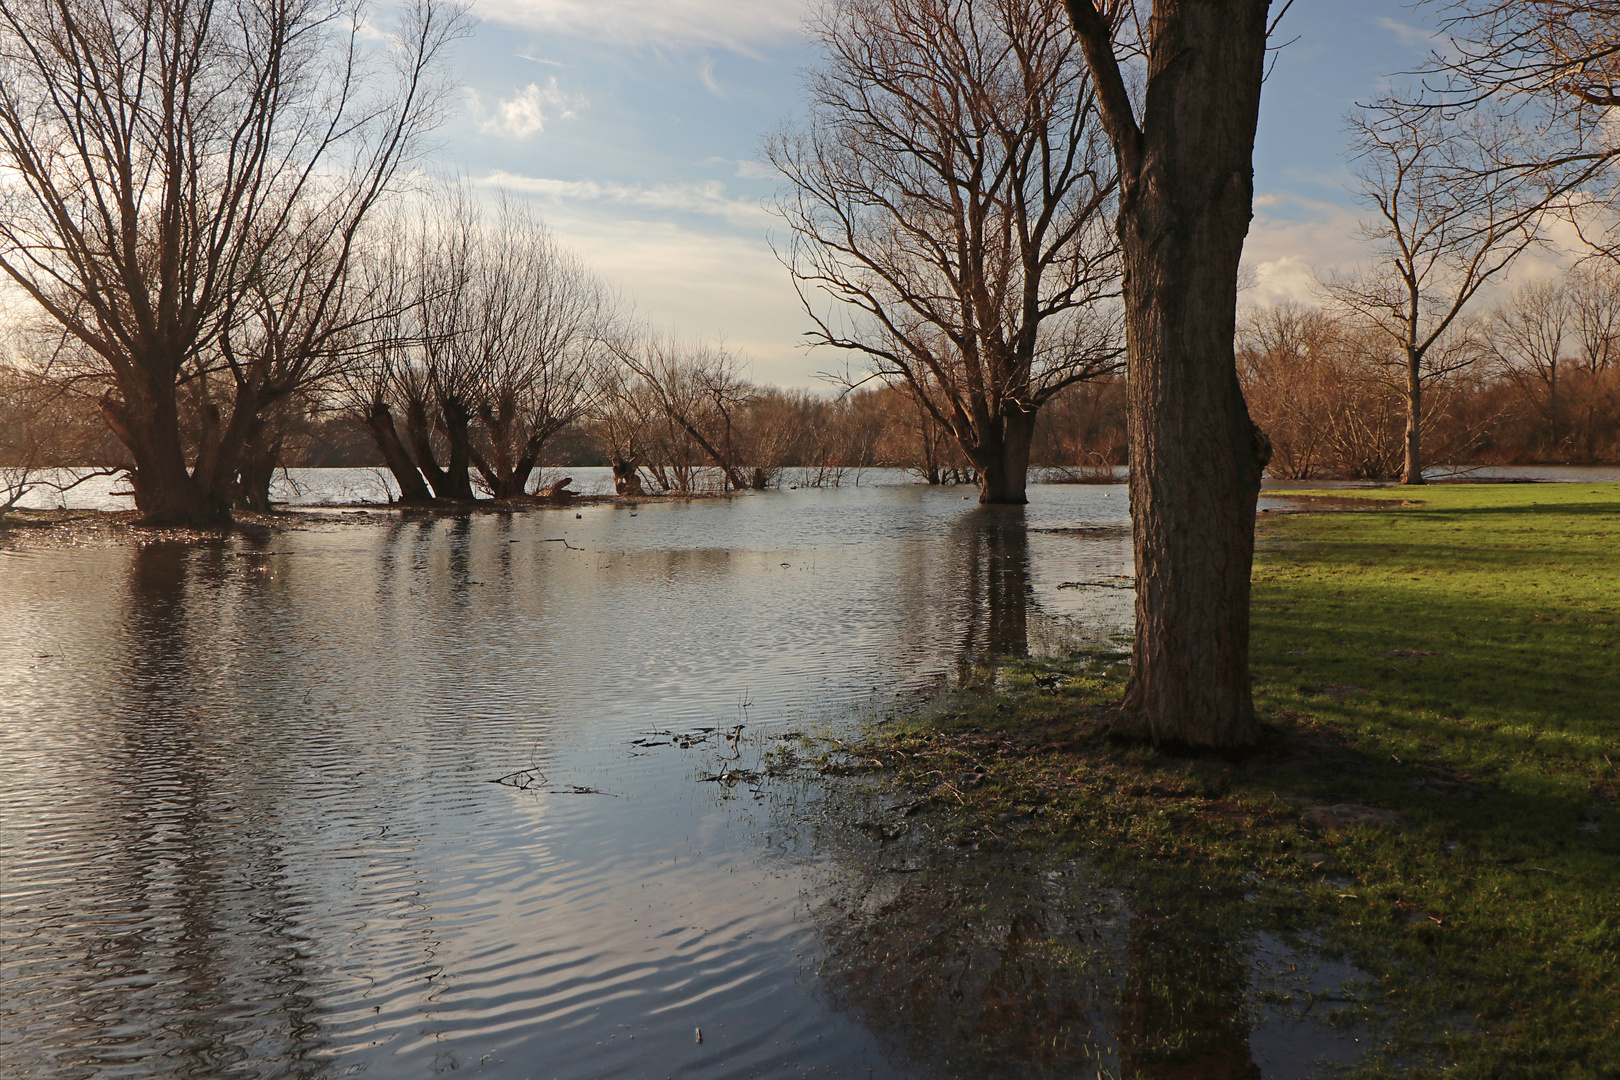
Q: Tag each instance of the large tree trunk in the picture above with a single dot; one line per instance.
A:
(147, 422)
(261, 452)
(1187, 189)
(225, 450)
(380, 422)
(457, 425)
(1004, 470)
(1412, 450)
(420, 429)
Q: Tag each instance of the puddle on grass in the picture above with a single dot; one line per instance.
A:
(1008, 963)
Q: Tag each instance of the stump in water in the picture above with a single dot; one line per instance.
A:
(626, 477)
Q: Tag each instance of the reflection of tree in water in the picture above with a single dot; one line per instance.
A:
(992, 546)
(185, 924)
(997, 964)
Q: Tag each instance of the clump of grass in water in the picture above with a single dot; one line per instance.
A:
(1450, 664)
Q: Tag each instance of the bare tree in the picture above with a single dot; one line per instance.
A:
(1594, 297)
(700, 391)
(533, 331)
(295, 327)
(1568, 47)
(949, 194)
(1292, 384)
(1185, 147)
(1554, 65)
(385, 374)
(163, 154)
(1443, 225)
(487, 334)
(1555, 342)
(51, 437)
(1526, 337)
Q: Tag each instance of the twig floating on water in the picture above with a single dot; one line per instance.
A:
(523, 779)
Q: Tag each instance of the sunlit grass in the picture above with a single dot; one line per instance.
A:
(1504, 737)
(1448, 657)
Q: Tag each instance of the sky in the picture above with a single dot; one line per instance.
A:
(636, 127)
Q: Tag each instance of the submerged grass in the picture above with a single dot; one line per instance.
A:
(1437, 796)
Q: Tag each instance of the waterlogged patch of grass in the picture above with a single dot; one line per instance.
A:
(1436, 799)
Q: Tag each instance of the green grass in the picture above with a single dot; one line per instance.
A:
(1515, 591)
(1451, 659)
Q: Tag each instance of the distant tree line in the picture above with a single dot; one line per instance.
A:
(1533, 379)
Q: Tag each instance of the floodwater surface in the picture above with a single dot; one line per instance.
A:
(398, 796)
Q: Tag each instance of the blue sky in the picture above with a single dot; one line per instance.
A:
(635, 126)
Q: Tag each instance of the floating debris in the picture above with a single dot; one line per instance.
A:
(534, 779)
(683, 739)
(523, 779)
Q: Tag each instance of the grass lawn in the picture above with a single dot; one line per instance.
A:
(1447, 661)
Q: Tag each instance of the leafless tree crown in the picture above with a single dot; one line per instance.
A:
(949, 193)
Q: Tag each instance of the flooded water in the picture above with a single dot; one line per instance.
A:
(401, 797)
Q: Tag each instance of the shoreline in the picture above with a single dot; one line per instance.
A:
(1427, 801)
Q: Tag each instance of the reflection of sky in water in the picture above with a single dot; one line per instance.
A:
(248, 823)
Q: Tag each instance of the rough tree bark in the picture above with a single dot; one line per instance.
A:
(1186, 198)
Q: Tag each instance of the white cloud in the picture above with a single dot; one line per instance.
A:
(697, 279)
(1277, 281)
(526, 114)
(1286, 256)
(757, 170)
(708, 198)
(739, 25)
(1293, 240)
(702, 285)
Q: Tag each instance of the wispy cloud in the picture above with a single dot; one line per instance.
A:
(757, 170)
(1409, 36)
(706, 73)
(740, 25)
(709, 198)
(526, 114)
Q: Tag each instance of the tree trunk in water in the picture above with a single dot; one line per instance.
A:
(253, 485)
(220, 461)
(513, 481)
(1412, 469)
(1187, 192)
(421, 433)
(458, 477)
(261, 451)
(379, 421)
(147, 422)
(1004, 476)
